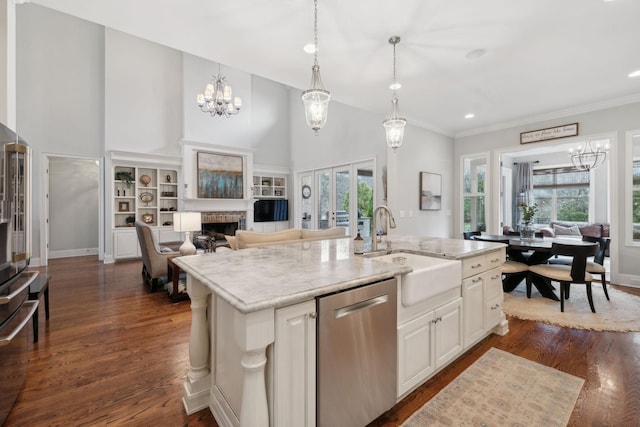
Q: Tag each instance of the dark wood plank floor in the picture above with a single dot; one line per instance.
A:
(112, 353)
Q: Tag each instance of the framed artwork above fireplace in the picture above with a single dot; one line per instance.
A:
(220, 176)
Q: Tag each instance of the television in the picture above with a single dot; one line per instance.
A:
(268, 210)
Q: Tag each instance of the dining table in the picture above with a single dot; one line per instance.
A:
(531, 252)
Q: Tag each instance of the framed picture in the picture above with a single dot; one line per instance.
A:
(220, 176)
(430, 191)
(123, 206)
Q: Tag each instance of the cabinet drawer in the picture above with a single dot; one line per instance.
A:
(496, 258)
(474, 265)
(481, 263)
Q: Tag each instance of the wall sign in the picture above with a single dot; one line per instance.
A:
(549, 133)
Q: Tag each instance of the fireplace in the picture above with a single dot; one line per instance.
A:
(219, 224)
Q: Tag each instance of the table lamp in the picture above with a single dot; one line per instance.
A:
(187, 222)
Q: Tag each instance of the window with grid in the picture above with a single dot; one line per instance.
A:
(562, 194)
(635, 203)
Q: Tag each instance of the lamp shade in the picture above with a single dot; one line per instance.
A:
(186, 221)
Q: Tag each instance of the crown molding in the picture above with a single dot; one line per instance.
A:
(587, 108)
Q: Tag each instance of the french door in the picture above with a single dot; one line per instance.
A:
(325, 200)
(332, 203)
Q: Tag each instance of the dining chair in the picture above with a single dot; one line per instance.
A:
(468, 235)
(511, 270)
(597, 265)
(567, 274)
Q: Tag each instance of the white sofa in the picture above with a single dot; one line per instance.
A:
(249, 239)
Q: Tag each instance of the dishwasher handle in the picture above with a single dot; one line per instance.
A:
(361, 305)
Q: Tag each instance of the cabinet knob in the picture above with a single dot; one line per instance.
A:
(313, 315)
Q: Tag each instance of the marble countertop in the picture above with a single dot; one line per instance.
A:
(275, 276)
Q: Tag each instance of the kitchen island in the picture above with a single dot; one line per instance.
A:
(253, 340)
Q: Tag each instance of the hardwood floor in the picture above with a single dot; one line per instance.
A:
(113, 353)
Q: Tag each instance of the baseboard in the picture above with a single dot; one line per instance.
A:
(627, 280)
(73, 253)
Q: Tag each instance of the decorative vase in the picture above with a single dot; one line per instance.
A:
(527, 232)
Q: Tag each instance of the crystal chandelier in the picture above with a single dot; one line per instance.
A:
(316, 99)
(394, 125)
(216, 99)
(587, 158)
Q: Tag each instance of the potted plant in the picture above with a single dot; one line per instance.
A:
(125, 177)
(528, 212)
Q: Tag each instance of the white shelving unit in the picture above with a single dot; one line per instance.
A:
(269, 186)
(144, 188)
(144, 194)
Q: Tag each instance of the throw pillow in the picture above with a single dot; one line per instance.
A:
(232, 242)
(566, 231)
(165, 250)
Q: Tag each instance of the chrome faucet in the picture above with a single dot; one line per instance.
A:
(392, 224)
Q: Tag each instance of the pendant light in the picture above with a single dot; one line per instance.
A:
(316, 99)
(394, 125)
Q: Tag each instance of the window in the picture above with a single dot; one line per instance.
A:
(474, 173)
(562, 194)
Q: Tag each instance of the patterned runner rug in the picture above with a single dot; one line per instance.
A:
(620, 314)
(501, 389)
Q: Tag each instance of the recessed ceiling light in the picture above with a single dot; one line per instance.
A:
(475, 54)
(469, 116)
(636, 73)
(310, 48)
(395, 86)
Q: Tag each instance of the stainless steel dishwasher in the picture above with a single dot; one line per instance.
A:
(357, 353)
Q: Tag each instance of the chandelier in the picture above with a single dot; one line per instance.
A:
(216, 99)
(316, 99)
(394, 125)
(587, 158)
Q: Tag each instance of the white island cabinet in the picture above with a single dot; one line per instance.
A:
(252, 347)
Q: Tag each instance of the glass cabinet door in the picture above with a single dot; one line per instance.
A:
(15, 197)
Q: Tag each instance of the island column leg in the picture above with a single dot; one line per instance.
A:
(196, 388)
(254, 332)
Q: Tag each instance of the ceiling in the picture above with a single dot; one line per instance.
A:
(543, 58)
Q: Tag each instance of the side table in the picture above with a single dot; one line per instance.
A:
(173, 275)
(39, 285)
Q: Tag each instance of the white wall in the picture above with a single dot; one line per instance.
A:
(83, 90)
(143, 95)
(60, 91)
(614, 121)
(351, 135)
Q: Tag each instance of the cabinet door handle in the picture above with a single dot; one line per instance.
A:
(495, 260)
(313, 315)
(495, 277)
(476, 280)
(478, 265)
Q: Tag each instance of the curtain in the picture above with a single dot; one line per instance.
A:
(522, 190)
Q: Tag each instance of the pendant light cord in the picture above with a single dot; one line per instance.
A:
(315, 31)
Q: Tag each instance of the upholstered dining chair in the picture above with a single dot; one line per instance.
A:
(597, 265)
(468, 235)
(567, 274)
(513, 271)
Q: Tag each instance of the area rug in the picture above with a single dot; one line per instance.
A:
(501, 389)
(621, 314)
